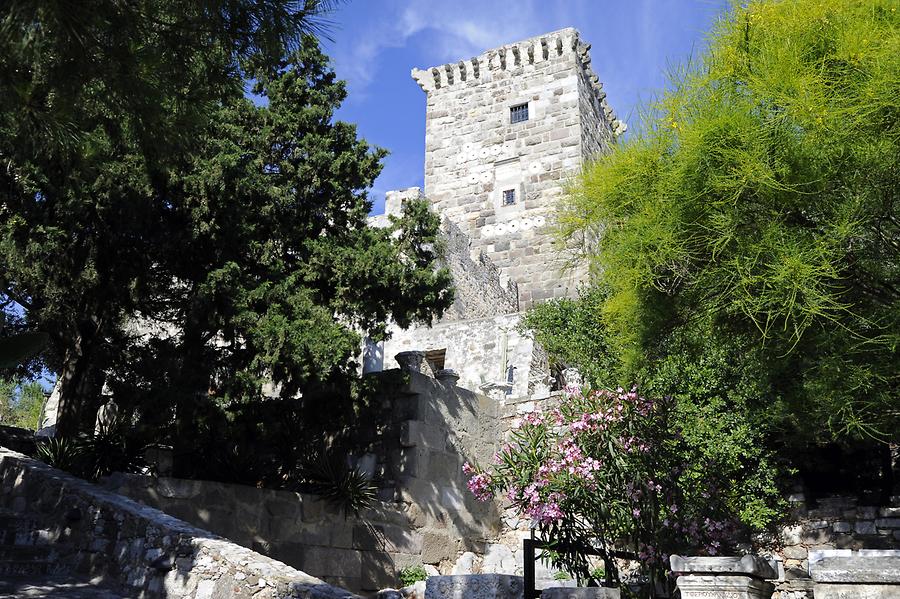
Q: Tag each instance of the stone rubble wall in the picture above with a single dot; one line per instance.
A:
(144, 552)
(479, 289)
(473, 152)
(837, 523)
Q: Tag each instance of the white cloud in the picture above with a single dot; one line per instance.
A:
(456, 29)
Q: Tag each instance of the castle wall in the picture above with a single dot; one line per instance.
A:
(480, 350)
(474, 152)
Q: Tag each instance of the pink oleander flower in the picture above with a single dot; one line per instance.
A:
(534, 418)
(480, 486)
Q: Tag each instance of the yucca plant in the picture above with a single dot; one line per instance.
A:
(346, 488)
(62, 453)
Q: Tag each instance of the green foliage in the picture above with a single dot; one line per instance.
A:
(561, 576)
(411, 575)
(62, 453)
(611, 471)
(14, 350)
(347, 489)
(114, 447)
(718, 384)
(142, 193)
(756, 215)
(21, 404)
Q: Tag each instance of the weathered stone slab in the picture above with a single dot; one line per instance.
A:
(693, 586)
(748, 565)
(580, 593)
(857, 591)
(475, 586)
(866, 566)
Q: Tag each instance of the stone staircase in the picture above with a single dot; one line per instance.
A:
(31, 563)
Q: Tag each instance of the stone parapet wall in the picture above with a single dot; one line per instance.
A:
(481, 350)
(145, 553)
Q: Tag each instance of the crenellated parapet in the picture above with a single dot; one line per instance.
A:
(562, 45)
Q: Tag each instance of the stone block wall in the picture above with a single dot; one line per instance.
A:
(481, 350)
(473, 152)
(300, 530)
(141, 551)
(836, 523)
(430, 517)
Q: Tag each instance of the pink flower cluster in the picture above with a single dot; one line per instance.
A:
(479, 482)
(480, 485)
(572, 460)
(544, 512)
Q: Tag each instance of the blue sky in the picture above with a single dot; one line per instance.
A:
(375, 44)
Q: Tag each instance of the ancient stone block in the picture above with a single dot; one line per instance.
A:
(436, 547)
(863, 566)
(474, 586)
(695, 586)
(724, 577)
(580, 593)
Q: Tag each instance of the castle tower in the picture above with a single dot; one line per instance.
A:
(504, 132)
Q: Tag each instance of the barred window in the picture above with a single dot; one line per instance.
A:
(509, 197)
(518, 113)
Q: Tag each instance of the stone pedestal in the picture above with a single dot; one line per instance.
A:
(724, 577)
(496, 391)
(580, 593)
(413, 361)
(475, 586)
(863, 574)
(447, 375)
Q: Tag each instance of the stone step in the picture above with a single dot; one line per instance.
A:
(58, 587)
(28, 567)
(30, 552)
(26, 535)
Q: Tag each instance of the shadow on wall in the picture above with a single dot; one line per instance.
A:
(128, 547)
(415, 448)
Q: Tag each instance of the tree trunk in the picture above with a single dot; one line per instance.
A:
(191, 385)
(79, 387)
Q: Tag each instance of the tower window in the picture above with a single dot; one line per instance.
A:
(518, 113)
(509, 197)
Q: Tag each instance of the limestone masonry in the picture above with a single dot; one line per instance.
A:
(503, 133)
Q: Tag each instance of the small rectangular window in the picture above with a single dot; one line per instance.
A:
(509, 197)
(518, 113)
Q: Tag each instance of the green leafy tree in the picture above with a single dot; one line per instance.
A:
(753, 222)
(141, 189)
(275, 267)
(98, 105)
(21, 403)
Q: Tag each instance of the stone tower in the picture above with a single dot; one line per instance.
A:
(504, 132)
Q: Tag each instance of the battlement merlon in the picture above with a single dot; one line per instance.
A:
(546, 47)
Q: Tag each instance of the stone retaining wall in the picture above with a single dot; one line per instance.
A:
(428, 516)
(836, 523)
(144, 552)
